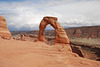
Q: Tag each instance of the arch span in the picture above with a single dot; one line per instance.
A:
(60, 34)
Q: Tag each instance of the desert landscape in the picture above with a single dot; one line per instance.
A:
(86, 39)
(26, 49)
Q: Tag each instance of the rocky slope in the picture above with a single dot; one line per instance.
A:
(15, 53)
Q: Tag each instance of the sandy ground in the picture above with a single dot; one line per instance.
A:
(15, 53)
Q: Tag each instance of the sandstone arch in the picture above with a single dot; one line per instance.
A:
(60, 34)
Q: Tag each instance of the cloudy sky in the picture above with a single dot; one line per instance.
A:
(27, 14)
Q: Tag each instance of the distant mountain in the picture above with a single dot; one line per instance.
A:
(84, 32)
(73, 32)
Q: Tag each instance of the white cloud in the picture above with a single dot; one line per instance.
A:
(28, 14)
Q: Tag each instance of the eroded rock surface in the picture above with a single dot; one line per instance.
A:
(4, 32)
(60, 34)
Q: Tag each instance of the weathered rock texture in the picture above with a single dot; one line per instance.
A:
(4, 32)
(60, 34)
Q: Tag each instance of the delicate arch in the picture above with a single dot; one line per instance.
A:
(60, 34)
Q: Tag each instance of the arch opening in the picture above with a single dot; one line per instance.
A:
(49, 35)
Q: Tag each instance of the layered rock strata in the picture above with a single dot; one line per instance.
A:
(4, 32)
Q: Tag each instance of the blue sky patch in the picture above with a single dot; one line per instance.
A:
(11, 0)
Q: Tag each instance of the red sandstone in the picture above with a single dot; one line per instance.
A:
(60, 37)
(4, 32)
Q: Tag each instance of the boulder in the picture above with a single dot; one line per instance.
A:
(4, 32)
(60, 34)
(23, 37)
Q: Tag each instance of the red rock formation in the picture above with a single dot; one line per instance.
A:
(4, 32)
(22, 37)
(78, 33)
(60, 34)
(87, 32)
(78, 50)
